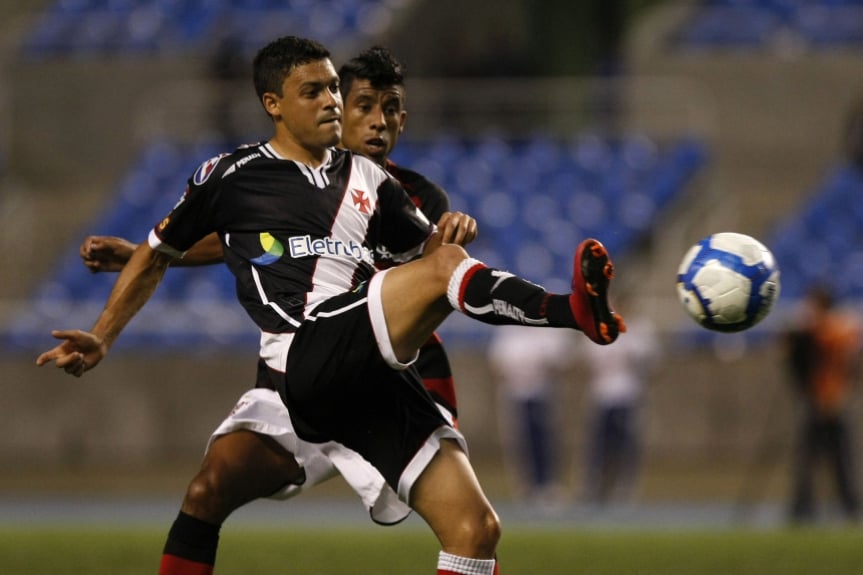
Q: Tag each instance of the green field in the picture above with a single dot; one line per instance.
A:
(76, 551)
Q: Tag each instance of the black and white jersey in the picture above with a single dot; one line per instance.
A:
(292, 235)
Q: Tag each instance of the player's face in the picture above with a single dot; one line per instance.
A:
(309, 111)
(373, 119)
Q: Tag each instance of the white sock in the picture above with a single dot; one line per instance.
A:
(453, 291)
(464, 565)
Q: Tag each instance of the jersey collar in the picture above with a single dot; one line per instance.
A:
(271, 152)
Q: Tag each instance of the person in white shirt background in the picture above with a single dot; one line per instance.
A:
(526, 364)
(618, 376)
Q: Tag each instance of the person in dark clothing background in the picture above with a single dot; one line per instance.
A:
(822, 355)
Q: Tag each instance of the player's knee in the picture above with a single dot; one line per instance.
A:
(479, 533)
(207, 496)
(490, 525)
(446, 259)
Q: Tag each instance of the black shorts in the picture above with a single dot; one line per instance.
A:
(338, 387)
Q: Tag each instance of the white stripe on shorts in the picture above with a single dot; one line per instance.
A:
(379, 323)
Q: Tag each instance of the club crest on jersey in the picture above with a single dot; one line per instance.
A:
(361, 201)
(204, 170)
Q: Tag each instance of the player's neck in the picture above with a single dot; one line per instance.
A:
(288, 150)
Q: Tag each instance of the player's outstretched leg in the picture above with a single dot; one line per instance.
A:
(498, 297)
(591, 276)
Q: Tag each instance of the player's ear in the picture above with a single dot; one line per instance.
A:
(403, 118)
(271, 103)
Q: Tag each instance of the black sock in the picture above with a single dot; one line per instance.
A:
(192, 540)
(500, 298)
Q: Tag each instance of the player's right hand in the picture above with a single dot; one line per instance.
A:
(457, 228)
(79, 352)
(106, 253)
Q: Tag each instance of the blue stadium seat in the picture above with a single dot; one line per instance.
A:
(723, 25)
(824, 236)
(106, 27)
(753, 24)
(830, 25)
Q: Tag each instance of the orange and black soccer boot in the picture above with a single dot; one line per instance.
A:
(591, 276)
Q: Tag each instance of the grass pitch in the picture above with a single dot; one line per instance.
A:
(396, 551)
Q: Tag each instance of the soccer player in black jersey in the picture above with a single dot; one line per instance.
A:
(372, 86)
(373, 91)
(299, 223)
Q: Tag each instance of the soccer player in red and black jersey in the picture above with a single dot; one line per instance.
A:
(373, 89)
(299, 222)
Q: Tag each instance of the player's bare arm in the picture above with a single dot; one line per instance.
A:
(80, 350)
(206, 252)
(110, 253)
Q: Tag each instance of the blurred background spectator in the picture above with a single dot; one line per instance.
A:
(823, 357)
(618, 375)
(527, 366)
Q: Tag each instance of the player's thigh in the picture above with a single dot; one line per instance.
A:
(249, 464)
(414, 297)
(449, 498)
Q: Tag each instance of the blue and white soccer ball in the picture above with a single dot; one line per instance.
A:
(728, 282)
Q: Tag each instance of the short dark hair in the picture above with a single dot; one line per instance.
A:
(274, 62)
(377, 65)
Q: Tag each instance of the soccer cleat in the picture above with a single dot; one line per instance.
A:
(591, 275)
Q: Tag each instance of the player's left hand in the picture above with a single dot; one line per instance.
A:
(79, 352)
(457, 228)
